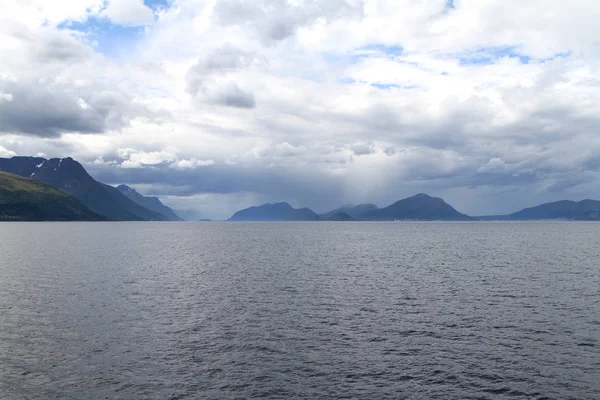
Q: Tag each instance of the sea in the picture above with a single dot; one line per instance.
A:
(306, 310)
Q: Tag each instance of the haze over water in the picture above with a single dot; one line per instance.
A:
(300, 310)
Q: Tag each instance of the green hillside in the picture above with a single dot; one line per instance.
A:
(23, 199)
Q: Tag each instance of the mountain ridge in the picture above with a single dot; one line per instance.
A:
(357, 212)
(420, 207)
(274, 212)
(150, 202)
(583, 210)
(24, 199)
(69, 175)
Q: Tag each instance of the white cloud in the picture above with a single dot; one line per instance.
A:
(129, 12)
(5, 97)
(6, 153)
(133, 158)
(35, 13)
(191, 163)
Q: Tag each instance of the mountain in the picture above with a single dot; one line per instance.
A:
(356, 212)
(419, 207)
(151, 203)
(585, 210)
(340, 216)
(274, 212)
(69, 175)
(23, 199)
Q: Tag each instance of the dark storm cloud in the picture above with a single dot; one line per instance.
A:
(41, 111)
(317, 190)
(50, 110)
(567, 183)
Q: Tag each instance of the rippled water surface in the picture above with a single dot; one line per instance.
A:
(299, 310)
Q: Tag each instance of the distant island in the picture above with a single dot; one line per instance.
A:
(584, 210)
(420, 207)
(60, 189)
(275, 212)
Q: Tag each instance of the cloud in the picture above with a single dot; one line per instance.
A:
(231, 95)
(34, 13)
(191, 164)
(288, 150)
(132, 158)
(361, 149)
(128, 12)
(6, 97)
(276, 21)
(390, 151)
(61, 109)
(213, 77)
(51, 46)
(6, 153)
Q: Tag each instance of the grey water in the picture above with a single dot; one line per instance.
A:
(300, 310)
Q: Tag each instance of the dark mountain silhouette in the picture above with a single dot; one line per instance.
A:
(151, 203)
(340, 216)
(69, 175)
(357, 212)
(585, 210)
(275, 212)
(23, 199)
(420, 207)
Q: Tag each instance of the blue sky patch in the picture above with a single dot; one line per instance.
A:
(111, 39)
(158, 3)
(557, 55)
(390, 51)
(380, 85)
(385, 85)
(490, 55)
(346, 81)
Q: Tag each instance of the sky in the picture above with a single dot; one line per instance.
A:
(217, 105)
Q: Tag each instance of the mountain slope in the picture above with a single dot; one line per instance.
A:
(151, 203)
(274, 212)
(340, 216)
(69, 175)
(357, 212)
(23, 199)
(419, 207)
(585, 210)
